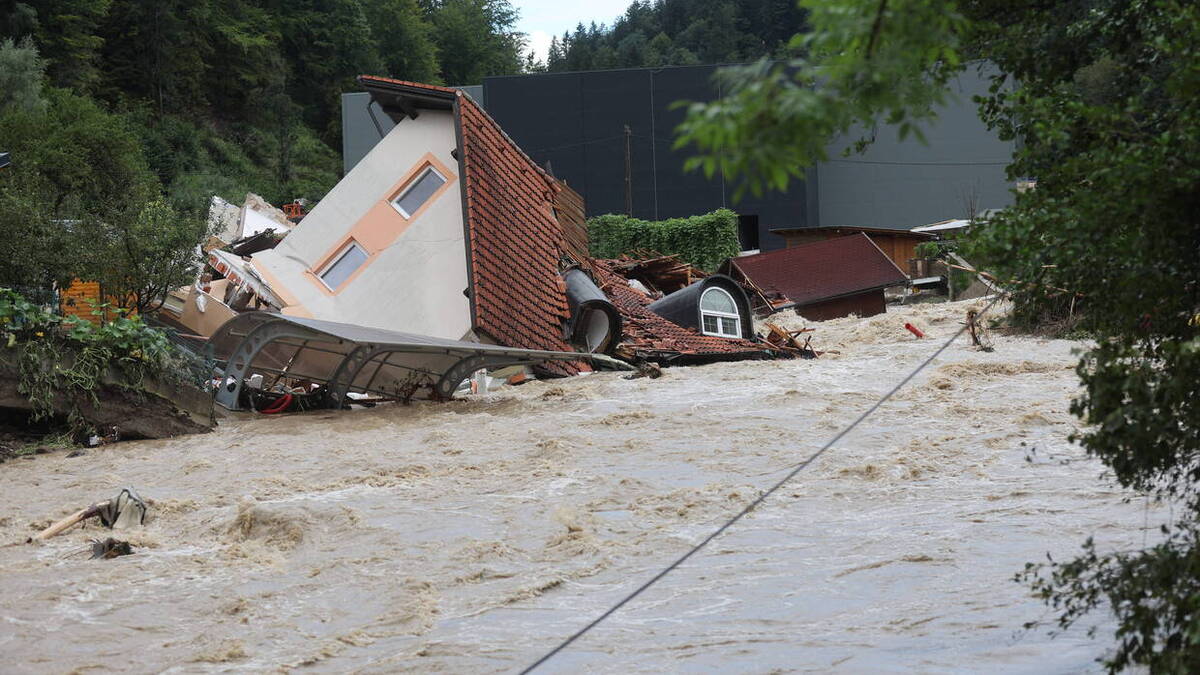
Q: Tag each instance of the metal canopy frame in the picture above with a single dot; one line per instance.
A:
(338, 356)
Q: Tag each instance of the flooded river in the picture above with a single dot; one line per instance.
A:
(474, 536)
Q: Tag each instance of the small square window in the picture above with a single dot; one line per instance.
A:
(418, 192)
(345, 264)
(729, 326)
(711, 324)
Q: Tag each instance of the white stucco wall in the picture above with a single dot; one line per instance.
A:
(416, 284)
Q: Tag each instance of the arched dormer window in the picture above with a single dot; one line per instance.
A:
(719, 314)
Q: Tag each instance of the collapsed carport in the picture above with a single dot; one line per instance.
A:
(344, 359)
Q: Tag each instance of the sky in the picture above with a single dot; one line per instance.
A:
(542, 19)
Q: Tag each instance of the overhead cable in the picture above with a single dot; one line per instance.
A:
(754, 504)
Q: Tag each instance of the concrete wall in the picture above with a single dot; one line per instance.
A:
(361, 130)
(907, 183)
(414, 278)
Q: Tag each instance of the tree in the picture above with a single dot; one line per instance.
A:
(21, 71)
(149, 251)
(158, 51)
(682, 32)
(67, 37)
(81, 181)
(404, 39)
(1105, 98)
(477, 38)
(18, 19)
(325, 43)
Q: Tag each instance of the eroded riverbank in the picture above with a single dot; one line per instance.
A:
(473, 536)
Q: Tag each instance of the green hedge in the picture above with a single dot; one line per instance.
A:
(705, 241)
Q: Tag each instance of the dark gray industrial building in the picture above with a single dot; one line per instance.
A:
(576, 121)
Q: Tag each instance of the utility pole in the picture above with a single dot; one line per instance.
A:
(628, 172)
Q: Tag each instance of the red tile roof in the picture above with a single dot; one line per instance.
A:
(515, 241)
(822, 270)
(649, 335)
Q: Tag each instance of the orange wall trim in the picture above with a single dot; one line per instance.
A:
(382, 225)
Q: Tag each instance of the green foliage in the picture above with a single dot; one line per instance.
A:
(21, 71)
(75, 167)
(67, 33)
(236, 96)
(680, 33)
(781, 121)
(71, 357)
(929, 249)
(406, 41)
(1104, 96)
(476, 38)
(148, 254)
(705, 241)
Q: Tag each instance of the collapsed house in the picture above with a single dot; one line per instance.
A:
(445, 229)
(236, 232)
(820, 280)
(445, 234)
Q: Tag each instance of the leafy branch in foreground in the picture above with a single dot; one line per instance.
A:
(884, 60)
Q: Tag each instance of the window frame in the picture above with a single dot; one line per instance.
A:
(720, 332)
(337, 258)
(408, 187)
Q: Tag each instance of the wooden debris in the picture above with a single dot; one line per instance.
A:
(981, 338)
(788, 341)
(646, 369)
(661, 274)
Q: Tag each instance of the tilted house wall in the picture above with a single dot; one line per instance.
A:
(415, 273)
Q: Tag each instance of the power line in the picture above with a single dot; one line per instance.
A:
(871, 161)
(575, 145)
(752, 505)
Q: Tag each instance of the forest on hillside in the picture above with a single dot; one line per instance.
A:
(226, 96)
(230, 96)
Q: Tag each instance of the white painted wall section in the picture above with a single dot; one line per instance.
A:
(413, 285)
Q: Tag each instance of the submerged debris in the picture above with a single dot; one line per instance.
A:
(125, 510)
(788, 342)
(110, 548)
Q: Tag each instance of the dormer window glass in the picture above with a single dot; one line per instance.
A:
(719, 314)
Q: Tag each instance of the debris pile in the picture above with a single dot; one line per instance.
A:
(126, 510)
(787, 341)
(657, 274)
(650, 337)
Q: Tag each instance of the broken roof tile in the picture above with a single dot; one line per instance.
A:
(651, 336)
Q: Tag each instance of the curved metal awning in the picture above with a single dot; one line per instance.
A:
(346, 358)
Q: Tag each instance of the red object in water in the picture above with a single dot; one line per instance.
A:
(914, 330)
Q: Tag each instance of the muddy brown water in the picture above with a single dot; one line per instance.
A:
(473, 536)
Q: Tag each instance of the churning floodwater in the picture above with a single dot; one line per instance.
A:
(473, 536)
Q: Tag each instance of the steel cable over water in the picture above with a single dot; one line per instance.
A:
(761, 498)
